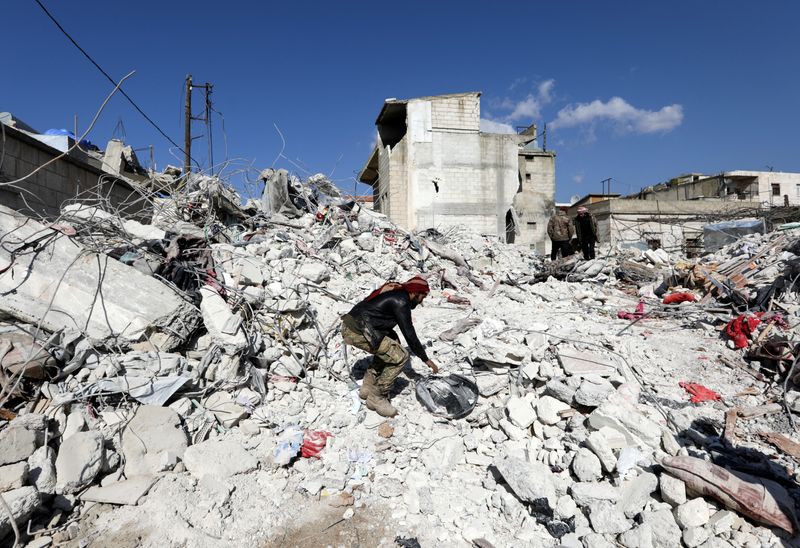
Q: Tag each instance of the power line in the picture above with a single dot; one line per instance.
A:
(109, 78)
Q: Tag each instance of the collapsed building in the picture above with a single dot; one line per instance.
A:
(180, 380)
(433, 167)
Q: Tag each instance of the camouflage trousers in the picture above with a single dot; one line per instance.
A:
(387, 361)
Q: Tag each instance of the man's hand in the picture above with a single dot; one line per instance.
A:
(433, 366)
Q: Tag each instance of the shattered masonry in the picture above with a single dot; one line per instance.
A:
(180, 379)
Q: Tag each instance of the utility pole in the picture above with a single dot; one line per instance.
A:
(603, 186)
(187, 128)
(206, 118)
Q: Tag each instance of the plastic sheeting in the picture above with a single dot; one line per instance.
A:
(452, 397)
(718, 235)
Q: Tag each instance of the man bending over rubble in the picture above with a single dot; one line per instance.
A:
(370, 327)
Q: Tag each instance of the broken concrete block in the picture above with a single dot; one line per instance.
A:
(721, 522)
(57, 289)
(143, 232)
(598, 443)
(606, 518)
(314, 272)
(695, 536)
(80, 459)
(666, 533)
(23, 502)
(588, 493)
(125, 492)
(673, 490)
(578, 363)
(520, 412)
(225, 409)
(13, 476)
(366, 241)
(152, 431)
(636, 492)
(223, 325)
(586, 466)
(547, 409)
(219, 459)
(593, 391)
(531, 481)
(619, 414)
(16, 444)
(638, 537)
(249, 271)
(42, 470)
(693, 513)
(489, 385)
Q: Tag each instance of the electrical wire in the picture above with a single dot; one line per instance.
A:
(109, 78)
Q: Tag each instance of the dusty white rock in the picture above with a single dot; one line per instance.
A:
(23, 502)
(79, 460)
(219, 459)
(562, 389)
(606, 518)
(586, 466)
(13, 476)
(366, 241)
(673, 490)
(151, 433)
(224, 326)
(666, 533)
(597, 442)
(42, 470)
(638, 537)
(635, 493)
(547, 409)
(595, 540)
(593, 391)
(565, 507)
(520, 412)
(721, 522)
(531, 481)
(128, 491)
(225, 409)
(16, 444)
(618, 413)
(586, 494)
(388, 487)
(693, 513)
(314, 272)
(76, 422)
(695, 536)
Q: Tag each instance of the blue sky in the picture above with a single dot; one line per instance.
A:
(637, 91)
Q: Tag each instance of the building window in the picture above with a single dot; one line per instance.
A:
(654, 243)
(776, 189)
(741, 195)
(527, 176)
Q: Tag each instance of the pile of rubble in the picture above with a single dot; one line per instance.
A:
(183, 382)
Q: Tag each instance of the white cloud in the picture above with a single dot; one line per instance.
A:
(493, 126)
(578, 178)
(546, 90)
(529, 108)
(623, 115)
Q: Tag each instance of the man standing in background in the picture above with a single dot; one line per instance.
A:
(559, 229)
(586, 232)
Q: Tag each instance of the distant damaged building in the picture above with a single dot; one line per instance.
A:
(433, 167)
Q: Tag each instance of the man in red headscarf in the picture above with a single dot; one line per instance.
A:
(370, 327)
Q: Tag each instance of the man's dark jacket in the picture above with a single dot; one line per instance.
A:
(376, 319)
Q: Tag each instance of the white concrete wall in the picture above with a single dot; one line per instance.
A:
(534, 204)
(789, 186)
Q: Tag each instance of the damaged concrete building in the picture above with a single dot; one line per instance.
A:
(434, 167)
(55, 170)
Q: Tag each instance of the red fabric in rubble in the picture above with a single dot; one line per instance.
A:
(741, 328)
(699, 392)
(677, 298)
(314, 442)
(635, 315)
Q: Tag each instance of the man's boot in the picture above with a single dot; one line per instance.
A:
(368, 385)
(380, 404)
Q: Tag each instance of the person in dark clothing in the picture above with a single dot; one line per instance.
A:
(586, 232)
(370, 327)
(559, 229)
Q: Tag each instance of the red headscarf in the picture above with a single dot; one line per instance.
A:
(417, 284)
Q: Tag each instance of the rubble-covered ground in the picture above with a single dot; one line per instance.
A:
(174, 384)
